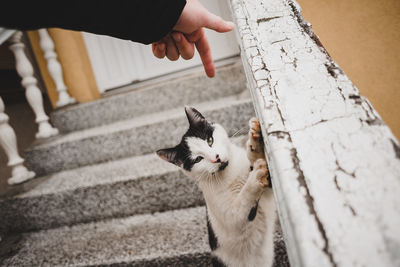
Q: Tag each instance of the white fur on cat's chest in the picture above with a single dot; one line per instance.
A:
(246, 244)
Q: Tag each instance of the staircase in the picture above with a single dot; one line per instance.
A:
(104, 197)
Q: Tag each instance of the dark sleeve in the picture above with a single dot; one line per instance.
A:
(142, 21)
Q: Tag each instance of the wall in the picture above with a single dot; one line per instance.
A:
(363, 37)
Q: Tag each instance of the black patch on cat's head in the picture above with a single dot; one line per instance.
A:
(194, 117)
(170, 155)
(180, 155)
(198, 126)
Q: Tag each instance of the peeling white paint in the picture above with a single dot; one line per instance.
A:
(335, 165)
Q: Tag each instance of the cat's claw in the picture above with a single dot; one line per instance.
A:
(255, 129)
(255, 143)
(261, 170)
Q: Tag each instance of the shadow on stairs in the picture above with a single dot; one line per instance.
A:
(104, 198)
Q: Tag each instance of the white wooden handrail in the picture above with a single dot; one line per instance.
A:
(335, 165)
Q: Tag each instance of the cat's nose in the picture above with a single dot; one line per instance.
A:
(216, 160)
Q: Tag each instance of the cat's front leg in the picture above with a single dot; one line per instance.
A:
(260, 173)
(255, 145)
(247, 200)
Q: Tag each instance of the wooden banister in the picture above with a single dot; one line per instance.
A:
(335, 165)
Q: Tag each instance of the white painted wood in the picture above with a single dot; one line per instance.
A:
(116, 62)
(335, 165)
(54, 67)
(33, 94)
(8, 141)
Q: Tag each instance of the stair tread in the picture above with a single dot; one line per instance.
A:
(136, 100)
(138, 136)
(125, 169)
(172, 238)
(120, 170)
(125, 187)
(139, 121)
(103, 173)
(125, 240)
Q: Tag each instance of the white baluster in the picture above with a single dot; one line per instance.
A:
(32, 92)
(54, 68)
(8, 141)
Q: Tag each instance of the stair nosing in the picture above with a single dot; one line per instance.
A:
(73, 182)
(127, 90)
(181, 220)
(137, 122)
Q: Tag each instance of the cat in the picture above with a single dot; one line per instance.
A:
(241, 211)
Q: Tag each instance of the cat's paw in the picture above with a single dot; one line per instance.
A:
(255, 129)
(255, 144)
(261, 171)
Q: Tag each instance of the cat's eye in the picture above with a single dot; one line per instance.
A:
(210, 140)
(198, 159)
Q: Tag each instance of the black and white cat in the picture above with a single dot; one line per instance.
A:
(240, 206)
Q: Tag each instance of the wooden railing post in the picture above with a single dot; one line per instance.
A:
(33, 94)
(54, 68)
(8, 141)
(335, 165)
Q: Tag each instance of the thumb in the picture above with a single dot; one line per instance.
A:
(217, 24)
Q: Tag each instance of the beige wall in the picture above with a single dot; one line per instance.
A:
(363, 37)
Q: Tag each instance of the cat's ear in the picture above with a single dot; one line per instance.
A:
(194, 117)
(170, 155)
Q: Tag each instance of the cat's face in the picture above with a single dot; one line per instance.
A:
(203, 150)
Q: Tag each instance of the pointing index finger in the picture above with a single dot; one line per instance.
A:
(200, 39)
(217, 24)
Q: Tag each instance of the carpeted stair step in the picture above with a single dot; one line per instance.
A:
(173, 238)
(138, 136)
(125, 187)
(155, 97)
(137, 185)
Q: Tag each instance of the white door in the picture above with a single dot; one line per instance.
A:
(116, 62)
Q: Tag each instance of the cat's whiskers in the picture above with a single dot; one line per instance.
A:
(202, 175)
(215, 179)
(207, 178)
(239, 131)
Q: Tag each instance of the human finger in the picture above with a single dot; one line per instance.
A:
(186, 49)
(158, 49)
(172, 50)
(200, 39)
(216, 23)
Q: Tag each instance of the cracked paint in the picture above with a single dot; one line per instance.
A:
(396, 148)
(334, 163)
(267, 19)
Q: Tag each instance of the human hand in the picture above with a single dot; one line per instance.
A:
(189, 32)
